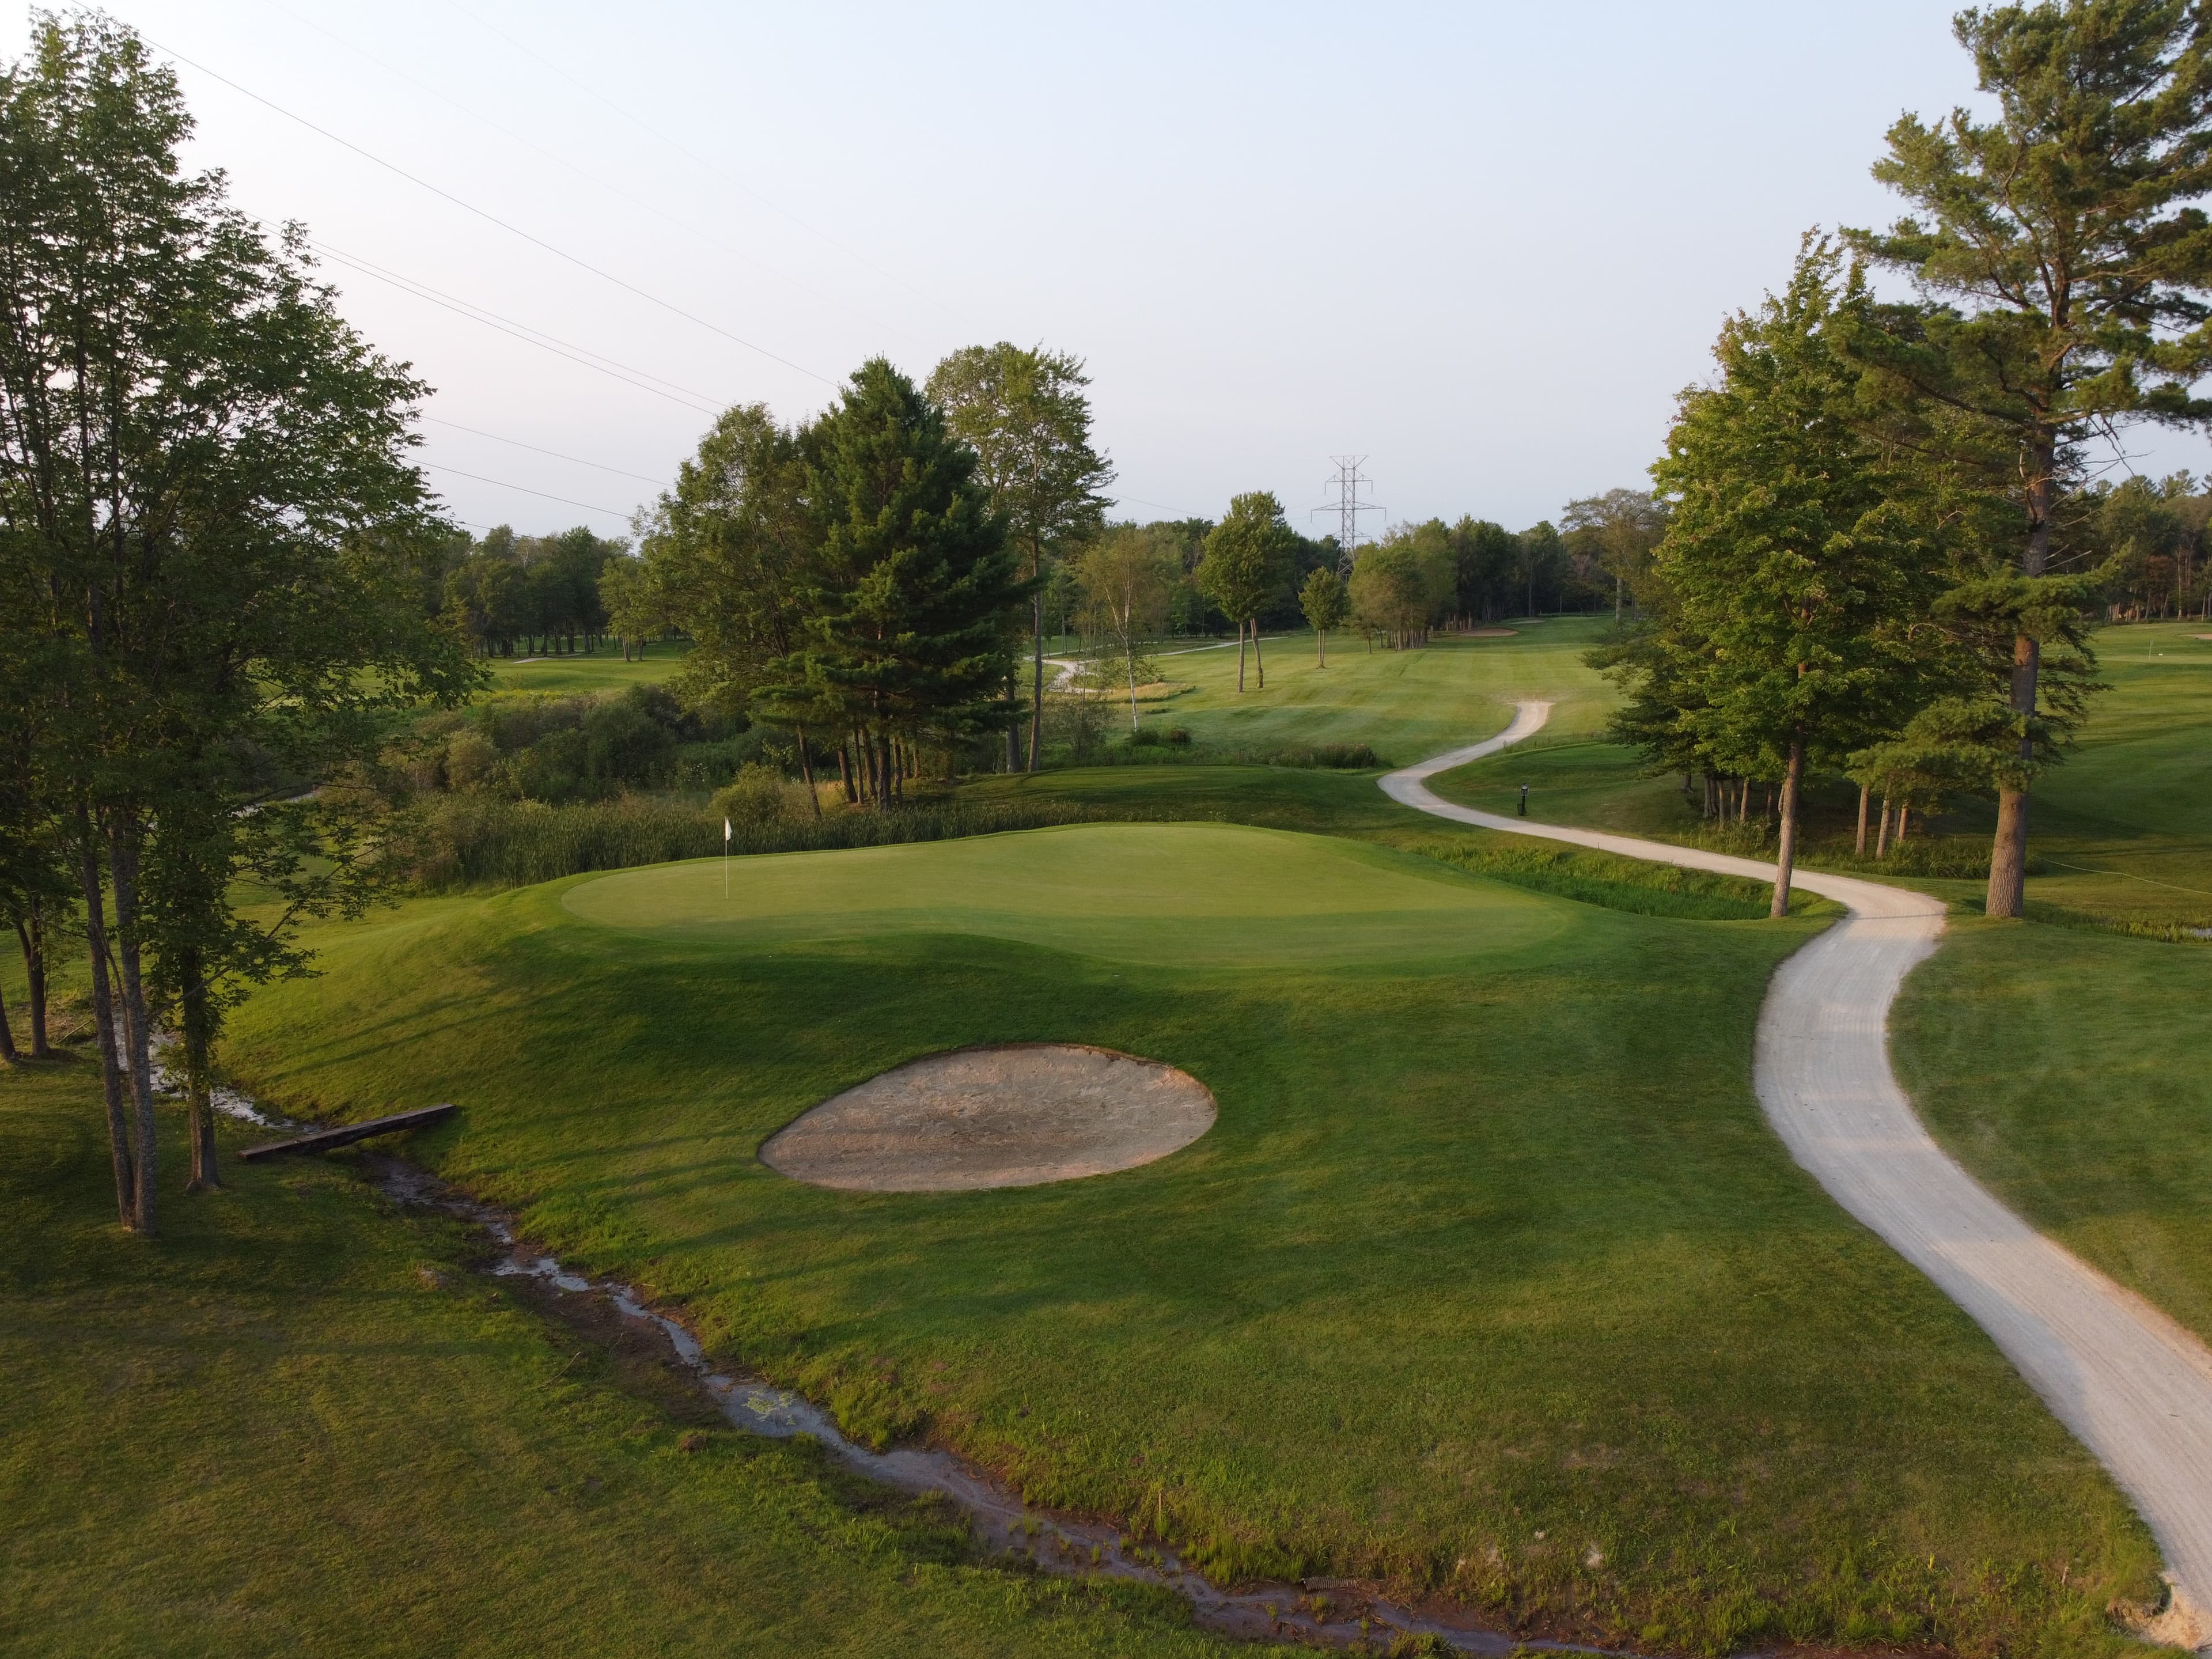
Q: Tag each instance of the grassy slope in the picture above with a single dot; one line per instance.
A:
(1489, 1267)
(265, 1435)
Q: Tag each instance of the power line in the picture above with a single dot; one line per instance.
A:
(491, 218)
(589, 506)
(1347, 481)
(687, 226)
(699, 402)
(700, 160)
(517, 443)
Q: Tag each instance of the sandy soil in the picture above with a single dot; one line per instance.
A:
(1013, 1115)
(2133, 1386)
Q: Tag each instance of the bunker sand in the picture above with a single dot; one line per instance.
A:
(2129, 1381)
(1015, 1115)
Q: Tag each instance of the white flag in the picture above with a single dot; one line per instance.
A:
(726, 832)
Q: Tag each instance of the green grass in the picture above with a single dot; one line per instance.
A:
(268, 1434)
(602, 670)
(2066, 1068)
(1489, 1280)
(1405, 705)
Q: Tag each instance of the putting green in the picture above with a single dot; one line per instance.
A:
(1191, 894)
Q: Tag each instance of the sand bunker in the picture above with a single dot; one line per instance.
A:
(1015, 1115)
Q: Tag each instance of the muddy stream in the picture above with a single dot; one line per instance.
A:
(1318, 1611)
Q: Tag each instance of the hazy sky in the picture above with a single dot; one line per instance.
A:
(1482, 245)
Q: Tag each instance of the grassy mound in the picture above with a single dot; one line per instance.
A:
(1489, 1280)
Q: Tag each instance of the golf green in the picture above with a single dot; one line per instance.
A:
(1189, 894)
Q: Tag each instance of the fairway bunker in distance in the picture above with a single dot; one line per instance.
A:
(1013, 1114)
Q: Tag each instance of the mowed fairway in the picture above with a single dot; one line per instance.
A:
(1489, 1279)
(1405, 705)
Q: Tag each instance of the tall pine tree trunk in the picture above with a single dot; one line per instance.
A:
(1785, 858)
(1858, 848)
(103, 1021)
(2008, 850)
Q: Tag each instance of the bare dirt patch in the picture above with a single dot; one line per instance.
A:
(1015, 1114)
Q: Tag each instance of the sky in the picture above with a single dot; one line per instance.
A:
(1482, 245)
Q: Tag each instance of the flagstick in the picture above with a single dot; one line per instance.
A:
(726, 858)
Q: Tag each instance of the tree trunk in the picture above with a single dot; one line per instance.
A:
(806, 770)
(2008, 851)
(1129, 650)
(33, 939)
(1785, 856)
(1858, 848)
(1240, 655)
(1904, 818)
(1881, 844)
(1322, 635)
(1037, 635)
(198, 1040)
(103, 1020)
(123, 870)
(2009, 855)
(7, 1054)
(1259, 662)
(1616, 599)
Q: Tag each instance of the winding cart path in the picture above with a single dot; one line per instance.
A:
(2132, 1384)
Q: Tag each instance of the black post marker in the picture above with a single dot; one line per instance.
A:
(1524, 800)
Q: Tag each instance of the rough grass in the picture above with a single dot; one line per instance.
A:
(1489, 1279)
(267, 1434)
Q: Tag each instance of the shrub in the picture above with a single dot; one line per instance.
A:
(760, 794)
(445, 843)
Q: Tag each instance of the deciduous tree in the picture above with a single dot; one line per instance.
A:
(1027, 417)
(1246, 557)
(1325, 604)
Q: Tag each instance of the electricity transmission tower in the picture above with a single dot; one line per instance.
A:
(1347, 482)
